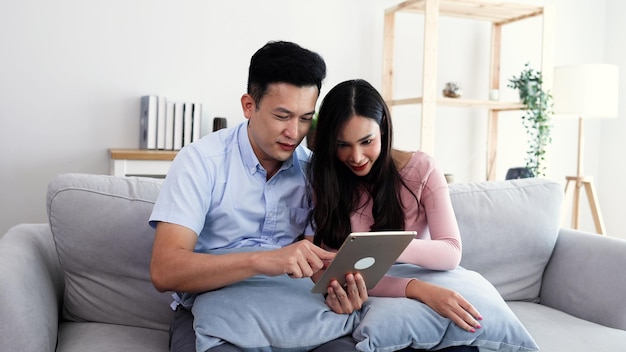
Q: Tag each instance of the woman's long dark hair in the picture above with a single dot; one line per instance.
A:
(336, 188)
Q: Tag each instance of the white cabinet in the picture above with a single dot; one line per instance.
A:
(139, 162)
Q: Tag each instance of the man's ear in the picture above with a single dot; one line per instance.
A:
(247, 105)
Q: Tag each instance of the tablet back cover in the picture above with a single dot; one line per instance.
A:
(368, 253)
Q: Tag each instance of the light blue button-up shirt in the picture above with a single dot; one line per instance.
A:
(217, 188)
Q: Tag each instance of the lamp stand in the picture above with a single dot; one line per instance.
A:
(579, 182)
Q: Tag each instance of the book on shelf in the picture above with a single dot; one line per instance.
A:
(196, 122)
(161, 122)
(169, 125)
(148, 122)
(187, 123)
(178, 125)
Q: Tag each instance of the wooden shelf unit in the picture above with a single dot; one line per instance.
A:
(141, 162)
(499, 14)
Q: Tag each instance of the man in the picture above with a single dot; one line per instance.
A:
(244, 187)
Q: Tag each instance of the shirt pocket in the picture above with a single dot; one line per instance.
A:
(298, 221)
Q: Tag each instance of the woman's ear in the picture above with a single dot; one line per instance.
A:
(247, 105)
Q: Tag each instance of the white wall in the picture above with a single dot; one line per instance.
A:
(72, 72)
(612, 170)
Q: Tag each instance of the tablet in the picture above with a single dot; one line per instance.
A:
(369, 253)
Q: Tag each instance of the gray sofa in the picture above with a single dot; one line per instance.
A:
(81, 281)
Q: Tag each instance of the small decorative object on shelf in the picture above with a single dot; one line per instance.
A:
(494, 95)
(219, 123)
(518, 172)
(452, 90)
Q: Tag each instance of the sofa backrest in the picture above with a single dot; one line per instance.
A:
(100, 229)
(509, 230)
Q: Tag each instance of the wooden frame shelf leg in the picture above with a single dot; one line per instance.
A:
(579, 183)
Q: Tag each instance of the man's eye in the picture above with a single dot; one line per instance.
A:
(280, 117)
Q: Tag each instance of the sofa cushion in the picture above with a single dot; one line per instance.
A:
(556, 331)
(99, 337)
(418, 326)
(100, 229)
(509, 230)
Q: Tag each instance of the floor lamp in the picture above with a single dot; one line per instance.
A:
(585, 91)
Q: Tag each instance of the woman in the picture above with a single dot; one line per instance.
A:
(361, 183)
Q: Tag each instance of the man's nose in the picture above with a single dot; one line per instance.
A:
(291, 130)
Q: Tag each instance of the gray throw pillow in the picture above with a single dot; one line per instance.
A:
(509, 230)
(100, 228)
(390, 324)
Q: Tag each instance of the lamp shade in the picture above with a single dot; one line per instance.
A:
(587, 91)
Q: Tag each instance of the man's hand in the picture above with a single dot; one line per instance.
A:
(176, 267)
(446, 302)
(298, 260)
(346, 301)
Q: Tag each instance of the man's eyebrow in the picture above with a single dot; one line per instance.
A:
(283, 110)
(289, 112)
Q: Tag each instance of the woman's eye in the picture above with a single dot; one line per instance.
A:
(367, 142)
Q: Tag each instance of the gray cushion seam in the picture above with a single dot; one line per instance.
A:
(458, 191)
(95, 192)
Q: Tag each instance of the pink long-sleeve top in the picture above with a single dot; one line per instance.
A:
(437, 245)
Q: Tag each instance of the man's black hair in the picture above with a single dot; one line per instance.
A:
(284, 62)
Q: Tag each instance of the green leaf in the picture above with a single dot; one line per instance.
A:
(537, 118)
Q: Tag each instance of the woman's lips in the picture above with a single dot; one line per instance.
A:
(359, 168)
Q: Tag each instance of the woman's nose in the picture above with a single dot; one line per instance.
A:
(356, 154)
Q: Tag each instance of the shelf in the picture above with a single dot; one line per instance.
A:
(142, 154)
(492, 11)
(464, 103)
(496, 12)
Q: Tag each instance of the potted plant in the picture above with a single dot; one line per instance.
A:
(537, 118)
